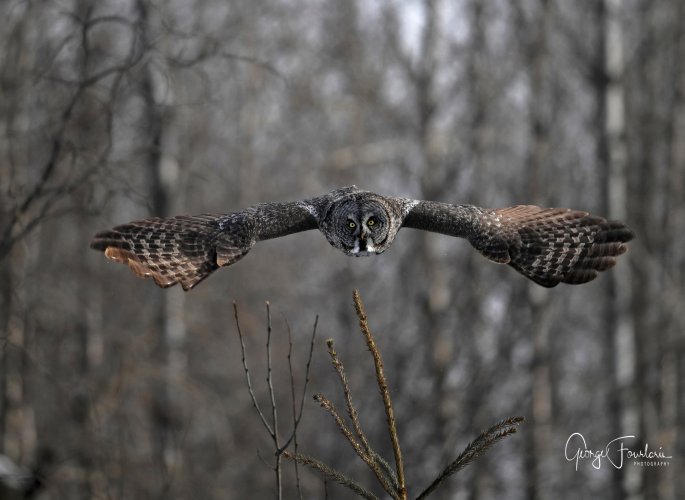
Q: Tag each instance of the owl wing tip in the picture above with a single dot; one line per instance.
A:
(99, 242)
(565, 246)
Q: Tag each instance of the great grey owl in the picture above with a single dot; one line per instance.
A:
(547, 245)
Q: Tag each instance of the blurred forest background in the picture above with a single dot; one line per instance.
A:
(121, 109)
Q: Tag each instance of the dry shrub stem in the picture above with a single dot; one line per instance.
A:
(385, 393)
(272, 427)
(391, 480)
(331, 474)
(476, 448)
(369, 458)
(354, 417)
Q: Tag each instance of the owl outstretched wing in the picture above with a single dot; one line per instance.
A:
(547, 245)
(186, 249)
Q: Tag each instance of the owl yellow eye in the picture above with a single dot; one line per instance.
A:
(371, 222)
(351, 224)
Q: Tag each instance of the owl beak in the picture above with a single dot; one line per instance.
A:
(364, 241)
(364, 244)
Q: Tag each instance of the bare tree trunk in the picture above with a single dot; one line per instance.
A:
(15, 63)
(620, 344)
(672, 483)
(12, 370)
(80, 401)
(477, 77)
(439, 342)
(5, 298)
(169, 325)
(534, 34)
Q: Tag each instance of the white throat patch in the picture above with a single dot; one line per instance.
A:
(370, 249)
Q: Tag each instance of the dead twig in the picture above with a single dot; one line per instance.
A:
(248, 381)
(385, 393)
(476, 448)
(331, 474)
(271, 424)
(392, 481)
(354, 416)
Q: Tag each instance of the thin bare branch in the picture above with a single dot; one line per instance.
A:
(41, 195)
(265, 423)
(476, 448)
(306, 384)
(272, 396)
(328, 405)
(331, 474)
(358, 448)
(269, 380)
(385, 392)
(293, 407)
(351, 410)
(354, 415)
(392, 482)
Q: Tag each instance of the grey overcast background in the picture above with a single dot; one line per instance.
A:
(116, 110)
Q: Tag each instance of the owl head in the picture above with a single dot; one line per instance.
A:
(361, 224)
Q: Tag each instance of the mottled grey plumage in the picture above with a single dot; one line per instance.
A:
(547, 245)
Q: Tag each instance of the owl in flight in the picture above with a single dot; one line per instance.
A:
(547, 245)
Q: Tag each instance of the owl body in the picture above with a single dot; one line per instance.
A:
(547, 245)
